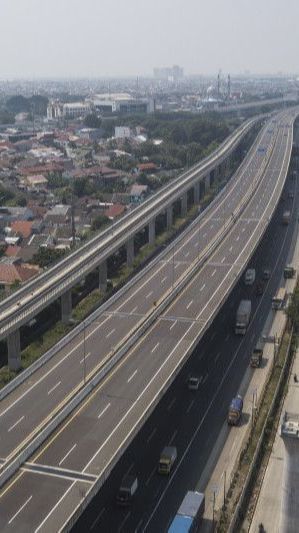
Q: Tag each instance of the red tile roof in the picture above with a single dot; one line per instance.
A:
(115, 211)
(11, 273)
(23, 227)
(12, 251)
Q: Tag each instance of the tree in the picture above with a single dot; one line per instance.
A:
(99, 222)
(46, 256)
(92, 121)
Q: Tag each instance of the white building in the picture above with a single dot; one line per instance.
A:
(57, 110)
(122, 132)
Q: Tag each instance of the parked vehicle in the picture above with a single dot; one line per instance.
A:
(190, 514)
(167, 459)
(243, 317)
(249, 278)
(235, 411)
(257, 356)
(127, 490)
(289, 272)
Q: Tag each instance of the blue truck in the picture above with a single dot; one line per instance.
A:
(235, 411)
(190, 514)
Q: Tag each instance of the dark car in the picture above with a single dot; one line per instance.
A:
(260, 287)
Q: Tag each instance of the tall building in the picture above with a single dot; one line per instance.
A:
(174, 73)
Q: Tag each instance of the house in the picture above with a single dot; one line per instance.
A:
(22, 227)
(147, 167)
(58, 215)
(138, 193)
(11, 271)
(114, 211)
(37, 182)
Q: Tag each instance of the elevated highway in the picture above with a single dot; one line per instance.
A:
(76, 460)
(19, 308)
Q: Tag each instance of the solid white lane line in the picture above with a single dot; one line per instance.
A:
(190, 406)
(110, 333)
(164, 279)
(213, 273)
(169, 407)
(134, 309)
(155, 347)
(230, 249)
(104, 410)
(189, 304)
(132, 376)
(86, 356)
(97, 518)
(19, 511)
(202, 288)
(16, 423)
(55, 506)
(151, 435)
(149, 294)
(55, 387)
(223, 259)
(67, 454)
(173, 324)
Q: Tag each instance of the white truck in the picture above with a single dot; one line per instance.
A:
(249, 277)
(127, 490)
(243, 317)
(167, 459)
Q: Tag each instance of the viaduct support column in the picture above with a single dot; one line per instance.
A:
(14, 350)
(130, 251)
(152, 232)
(66, 306)
(169, 217)
(103, 276)
(184, 205)
(197, 193)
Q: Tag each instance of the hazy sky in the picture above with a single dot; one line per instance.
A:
(99, 38)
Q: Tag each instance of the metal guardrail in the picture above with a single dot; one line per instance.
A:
(10, 469)
(105, 238)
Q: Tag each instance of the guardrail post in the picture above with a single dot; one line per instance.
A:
(196, 193)
(14, 350)
(184, 205)
(169, 217)
(103, 276)
(130, 251)
(66, 306)
(152, 232)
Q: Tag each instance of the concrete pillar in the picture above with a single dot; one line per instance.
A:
(14, 350)
(184, 205)
(130, 251)
(152, 232)
(197, 193)
(207, 182)
(169, 217)
(289, 517)
(103, 276)
(66, 306)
